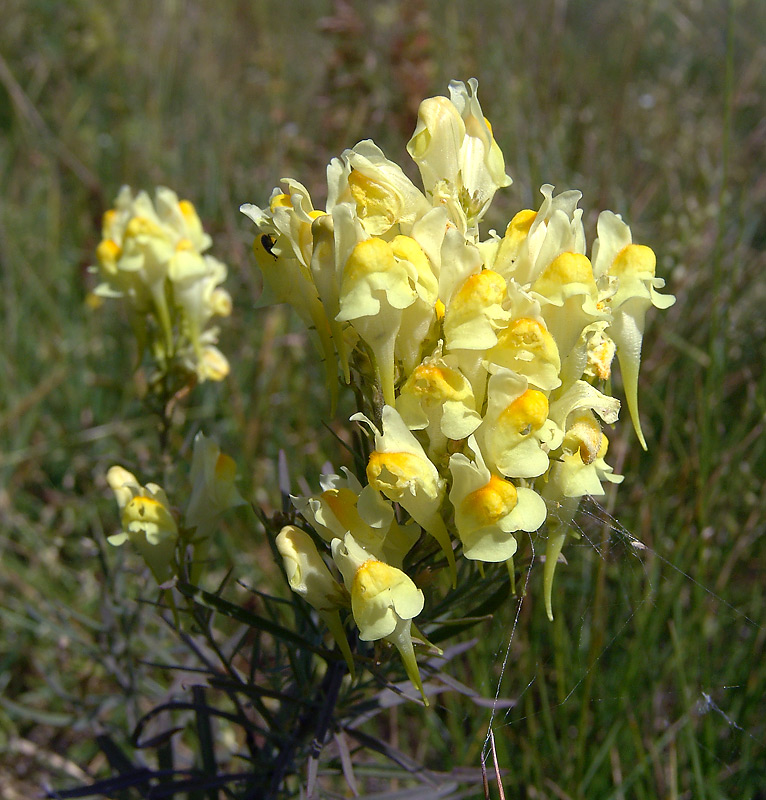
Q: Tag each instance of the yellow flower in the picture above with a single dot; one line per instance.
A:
(292, 214)
(382, 195)
(196, 293)
(583, 395)
(152, 254)
(324, 272)
(631, 267)
(282, 270)
(146, 521)
(345, 507)
(281, 254)
(310, 578)
(601, 350)
(384, 600)
(375, 287)
(419, 317)
(213, 365)
(399, 469)
(475, 312)
(527, 348)
(568, 298)
(437, 397)
(182, 218)
(381, 595)
(460, 162)
(534, 239)
(307, 573)
(213, 474)
(502, 254)
(516, 434)
(488, 508)
(579, 467)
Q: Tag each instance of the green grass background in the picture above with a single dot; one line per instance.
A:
(651, 681)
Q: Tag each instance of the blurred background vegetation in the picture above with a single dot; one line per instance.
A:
(650, 683)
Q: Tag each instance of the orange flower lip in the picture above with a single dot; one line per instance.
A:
(634, 259)
(482, 289)
(491, 502)
(526, 413)
(405, 468)
(436, 384)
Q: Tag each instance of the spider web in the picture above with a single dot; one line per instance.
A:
(600, 537)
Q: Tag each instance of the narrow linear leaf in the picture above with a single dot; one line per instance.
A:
(107, 787)
(346, 762)
(209, 600)
(176, 706)
(51, 718)
(391, 753)
(254, 690)
(205, 734)
(114, 755)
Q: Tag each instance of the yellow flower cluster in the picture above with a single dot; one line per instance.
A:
(486, 354)
(152, 254)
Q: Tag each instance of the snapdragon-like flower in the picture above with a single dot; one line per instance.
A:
(475, 312)
(384, 601)
(525, 346)
(439, 399)
(345, 507)
(383, 196)
(578, 467)
(534, 239)
(568, 298)
(489, 508)
(516, 434)
(147, 521)
(632, 267)
(153, 255)
(376, 286)
(285, 254)
(460, 162)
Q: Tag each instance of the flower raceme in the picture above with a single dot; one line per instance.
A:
(483, 362)
(152, 254)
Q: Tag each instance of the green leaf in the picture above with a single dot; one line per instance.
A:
(209, 600)
(205, 736)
